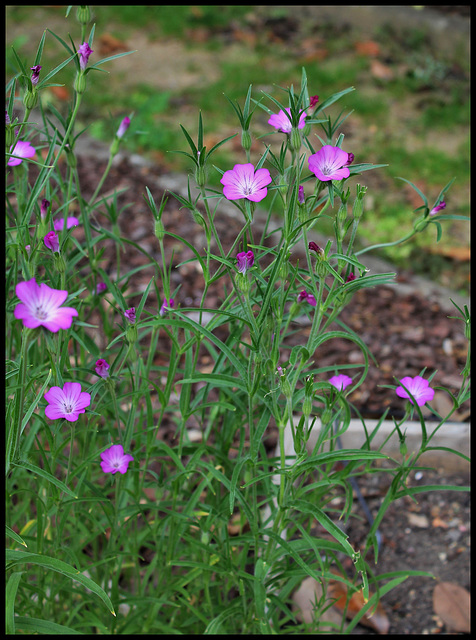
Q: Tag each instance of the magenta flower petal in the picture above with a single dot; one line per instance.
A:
(67, 402)
(281, 122)
(418, 387)
(114, 459)
(71, 221)
(340, 382)
(41, 305)
(328, 163)
(22, 149)
(51, 241)
(102, 368)
(243, 182)
(84, 52)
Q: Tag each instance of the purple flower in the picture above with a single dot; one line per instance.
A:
(313, 100)
(350, 277)
(123, 127)
(71, 221)
(102, 368)
(281, 122)
(243, 182)
(245, 261)
(84, 52)
(130, 314)
(44, 208)
(350, 159)
(441, 205)
(101, 286)
(114, 459)
(166, 305)
(22, 149)
(7, 117)
(301, 197)
(313, 246)
(51, 241)
(340, 382)
(35, 76)
(67, 402)
(419, 389)
(308, 297)
(41, 306)
(329, 163)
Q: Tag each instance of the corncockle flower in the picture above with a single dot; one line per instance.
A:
(41, 306)
(51, 241)
(313, 246)
(350, 159)
(44, 208)
(281, 122)
(100, 287)
(102, 368)
(340, 382)
(350, 277)
(329, 163)
(114, 459)
(71, 221)
(301, 197)
(244, 182)
(24, 150)
(84, 52)
(166, 305)
(441, 205)
(123, 127)
(130, 314)
(308, 297)
(419, 389)
(35, 76)
(245, 260)
(67, 402)
(313, 100)
(7, 117)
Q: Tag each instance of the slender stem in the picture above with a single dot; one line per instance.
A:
(15, 432)
(101, 182)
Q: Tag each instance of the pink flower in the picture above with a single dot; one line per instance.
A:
(84, 52)
(308, 297)
(281, 122)
(340, 382)
(114, 459)
(301, 196)
(419, 389)
(313, 100)
(41, 306)
(130, 314)
(123, 127)
(243, 182)
(166, 305)
(71, 221)
(350, 277)
(329, 163)
(67, 402)
(51, 241)
(101, 286)
(22, 149)
(102, 368)
(245, 261)
(35, 76)
(441, 205)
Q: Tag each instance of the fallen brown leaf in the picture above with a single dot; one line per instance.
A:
(381, 71)
(375, 618)
(367, 48)
(452, 603)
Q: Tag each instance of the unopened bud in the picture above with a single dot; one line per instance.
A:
(246, 140)
(200, 176)
(80, 83)
(159, 230)
(30, 99)
(83, 14)
(295, 139)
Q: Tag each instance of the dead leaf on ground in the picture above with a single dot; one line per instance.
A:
(310, 592)
(452, 603)
(381, 71)
(367, 48)
(108, 44)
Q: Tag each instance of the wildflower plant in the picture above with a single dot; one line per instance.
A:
(113, 527)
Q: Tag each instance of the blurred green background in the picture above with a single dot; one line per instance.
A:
(409, 65)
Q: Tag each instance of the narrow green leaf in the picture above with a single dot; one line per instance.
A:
(44, 474)
(36, 625)
(10, 594)
(9, 532)
(33, 406)
(14, 557)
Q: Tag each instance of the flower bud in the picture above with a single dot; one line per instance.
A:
(420, 224)
(83, 14)
(358, 206)
(30, 99)
(200, 176)
(246, 140)
(159, 230)
(307, 406)
(80, 83)
(35, 76)
(60, 263)
(242, 283)
(295, 139)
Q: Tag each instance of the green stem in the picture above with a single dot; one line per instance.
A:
(15, 432)
(101, 182)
